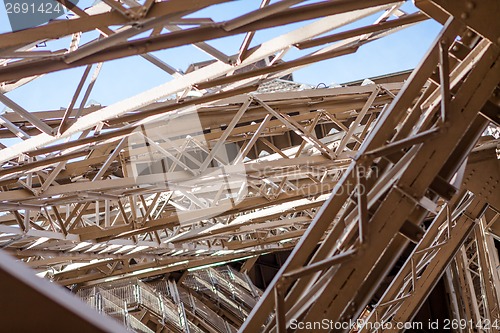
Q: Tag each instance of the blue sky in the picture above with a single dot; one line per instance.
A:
(126, 77)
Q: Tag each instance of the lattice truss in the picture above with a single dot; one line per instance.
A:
(207, 167)
(415, 181)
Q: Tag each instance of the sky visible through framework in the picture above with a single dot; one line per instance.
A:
(129, 76)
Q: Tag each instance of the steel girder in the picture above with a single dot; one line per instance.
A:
(360, 243)
(76, 190)
(102, 193)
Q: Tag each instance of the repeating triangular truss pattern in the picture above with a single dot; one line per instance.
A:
(231, 159)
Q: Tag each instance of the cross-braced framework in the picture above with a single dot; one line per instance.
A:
(211, 167)
(167, 180)
(420, 166)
